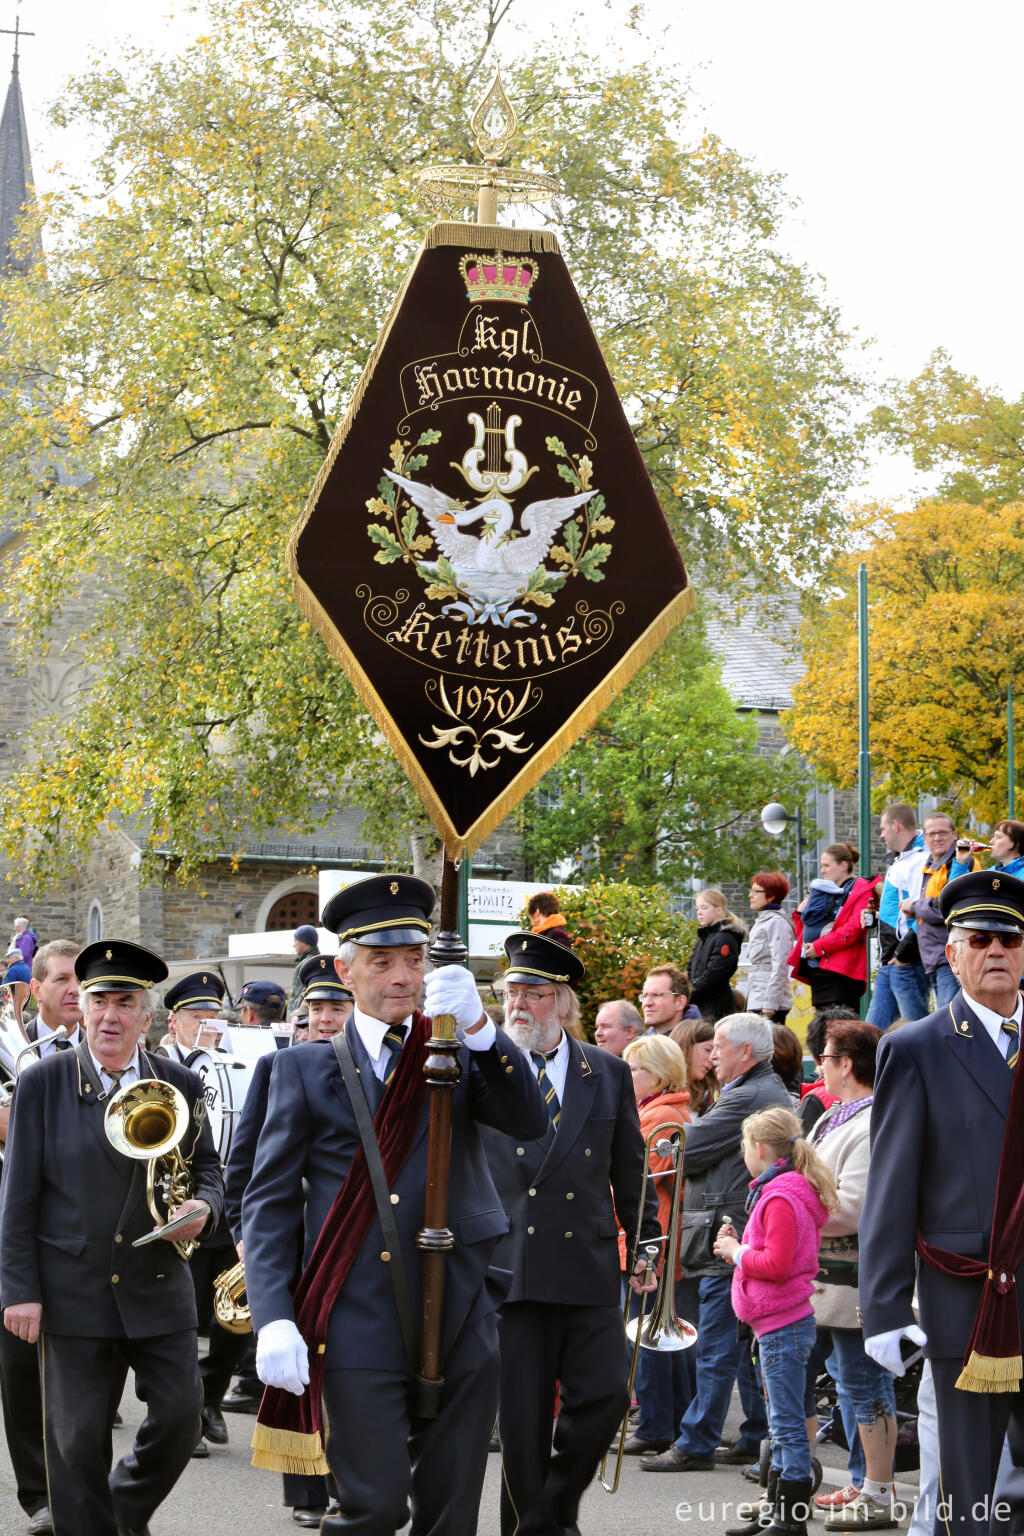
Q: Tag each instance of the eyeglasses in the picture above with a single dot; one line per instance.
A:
(654, 997)
(831, 1056)
(981, 938)
(530, 994)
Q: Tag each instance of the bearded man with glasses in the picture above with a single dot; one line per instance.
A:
(562, 1320)
(945, 1186)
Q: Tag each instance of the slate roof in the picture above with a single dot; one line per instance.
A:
(760, 662)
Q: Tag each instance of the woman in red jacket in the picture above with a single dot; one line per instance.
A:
(831, 949)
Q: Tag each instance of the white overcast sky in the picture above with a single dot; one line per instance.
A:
(897, 124)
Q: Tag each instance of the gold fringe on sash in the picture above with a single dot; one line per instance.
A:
(990, 1373)
(285, 1450)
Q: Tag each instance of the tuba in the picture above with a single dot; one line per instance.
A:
(230, 1303)
(147, 1121)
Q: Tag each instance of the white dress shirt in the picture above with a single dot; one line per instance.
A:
(372, 1031)
(131, 1073)
(993, 1022)
(557, 1068)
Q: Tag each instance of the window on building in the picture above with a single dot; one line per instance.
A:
(292, 910)
(95, 922)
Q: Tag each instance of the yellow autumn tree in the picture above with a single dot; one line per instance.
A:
(945, 638)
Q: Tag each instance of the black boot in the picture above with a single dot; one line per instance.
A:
(792, 1508)
(766, 1510)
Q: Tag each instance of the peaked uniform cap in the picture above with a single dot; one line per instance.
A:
(987, 899)
(534, 957)
(320, 981)
(383, 911)
(116, 965)
(203, 989)
(266, 994)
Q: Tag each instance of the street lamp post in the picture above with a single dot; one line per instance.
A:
(775, 819)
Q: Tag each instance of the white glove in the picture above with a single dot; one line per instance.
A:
(884, 1348)
(281, 1357)
(451, 989)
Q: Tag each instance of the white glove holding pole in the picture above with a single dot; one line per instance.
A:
(282, 1359)
(884, 1348)
(451, 990)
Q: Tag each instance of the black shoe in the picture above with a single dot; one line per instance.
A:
(792, 1508)
(734, 1456)
(133, 1530)
(214, 1428)
(201, 1451)
(634, 1446)
(41, 1524)
(240, 1400)
(675, 1460)
(309, 1517)
(766, 1510)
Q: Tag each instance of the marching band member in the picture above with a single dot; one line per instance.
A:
(72, 1207)
(562, 1319)
(308, 1187)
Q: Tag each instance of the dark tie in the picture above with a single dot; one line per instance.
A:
(546, 1086)
(1012, 1028)
(116, 1073)
(65, 1045)
(394, 1039)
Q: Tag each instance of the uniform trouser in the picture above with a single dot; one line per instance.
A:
(22, 1397)
(80, 1376)
(385, 1460)
(227, 1350)
(301, 1492)
(583, 1349)
(972, 1426)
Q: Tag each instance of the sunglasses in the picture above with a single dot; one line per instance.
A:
(981, 938)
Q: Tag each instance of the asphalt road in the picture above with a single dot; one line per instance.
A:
(224, 1496)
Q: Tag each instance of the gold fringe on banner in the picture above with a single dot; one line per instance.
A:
(990, 1373)
(285, 1450)
(492, 237)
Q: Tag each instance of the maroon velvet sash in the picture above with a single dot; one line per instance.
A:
(992, 1361)
(288, 1436)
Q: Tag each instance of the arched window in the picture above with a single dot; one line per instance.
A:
(95, 922)
(292, 910)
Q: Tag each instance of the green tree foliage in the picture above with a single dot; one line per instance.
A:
(952, 424)
(620, 931)
(209, 301)
(945, 637)
(667, 785)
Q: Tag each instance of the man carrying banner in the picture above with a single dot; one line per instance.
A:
(350, 1331)
(946, 1184)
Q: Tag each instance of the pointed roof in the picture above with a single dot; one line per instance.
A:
(16, 185)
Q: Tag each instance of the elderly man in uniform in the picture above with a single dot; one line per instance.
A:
(307, 1184)
(562, 1319)
(69, 1273)
(947, 1125)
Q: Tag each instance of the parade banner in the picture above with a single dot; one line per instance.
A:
(483, 550)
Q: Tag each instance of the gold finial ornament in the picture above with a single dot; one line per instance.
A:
(494, 125)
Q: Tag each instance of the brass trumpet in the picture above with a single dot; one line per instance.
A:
(146, 1121)
(660, 1329)
(230, 1303)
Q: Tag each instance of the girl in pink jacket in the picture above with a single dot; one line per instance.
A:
(791, 1195)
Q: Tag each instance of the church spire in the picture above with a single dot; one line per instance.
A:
(15, 169)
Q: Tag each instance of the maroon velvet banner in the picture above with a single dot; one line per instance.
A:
(483, 550)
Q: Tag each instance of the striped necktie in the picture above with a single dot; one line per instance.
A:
(65, 1045)
(1012, 1028)
(394, 1039)
(546, 1086)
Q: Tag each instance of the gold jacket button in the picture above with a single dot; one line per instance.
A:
(520, 1151)
(394, 1199)
(529, 1231)
(509, 1069)
(531, 1191)
(503, 1060)
(568, 1234)
(570, 1195)
(114, 1279)
(586, 1151)
(117, 1238)
(385, 1257)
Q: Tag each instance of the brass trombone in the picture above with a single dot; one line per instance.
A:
(660, 1329)
(146, 1121)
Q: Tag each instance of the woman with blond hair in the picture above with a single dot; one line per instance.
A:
(664, 1382)
(716, 954)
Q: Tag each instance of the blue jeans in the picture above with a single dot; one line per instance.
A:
(910, 990)
(784, 1354)
(900, 992)
(664, 1382)
(867, 1384)
(945, 984)
(719, 1353)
